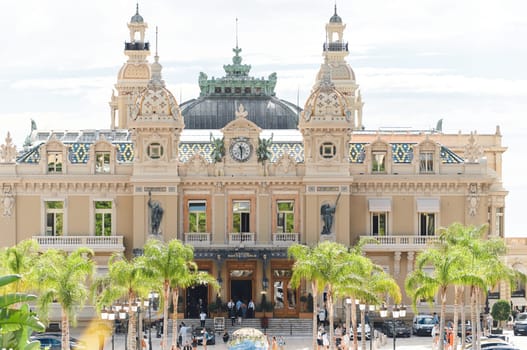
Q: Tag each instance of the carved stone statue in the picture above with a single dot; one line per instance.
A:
(241, 113)
(8, 201)
(218, 148)
(327, 211)
(156, 215)
(8, 150)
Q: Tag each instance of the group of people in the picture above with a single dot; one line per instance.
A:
(239, 310)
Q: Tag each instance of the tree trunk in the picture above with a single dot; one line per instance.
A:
(65, 326)
(475, 327)
(132, 344)
(463, 319)
(363, 330)
(456, 315)
(354, 323)
(442, 313)
(175, 297)
(314, 288)
(330, 315)
(166, 298)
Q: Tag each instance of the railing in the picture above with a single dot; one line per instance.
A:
(335, 47)
(286, 239)
(236, 238)
(397, 242)
(137, 46)
(70, 243)
(518, 294)
(197, 238)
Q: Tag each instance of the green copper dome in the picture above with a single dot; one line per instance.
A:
(219, 98)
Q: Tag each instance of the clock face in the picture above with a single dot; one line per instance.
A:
(240, 150)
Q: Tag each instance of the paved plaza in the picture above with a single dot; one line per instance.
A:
(292, 342)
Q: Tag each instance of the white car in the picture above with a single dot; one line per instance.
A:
(359, 332)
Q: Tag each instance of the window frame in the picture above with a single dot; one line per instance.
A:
(57, 167)
(426, 162)
(104, 212)
(378, 167)
(244, 223)
(426, 217)
(57, 214)
(106, 163)
(198, 213)
(286, 214)
(373, 227)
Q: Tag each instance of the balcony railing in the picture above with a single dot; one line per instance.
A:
(197, 238)
(335, 47)
(236, 238)
(285, 239)
(413, 242)
(70, 243)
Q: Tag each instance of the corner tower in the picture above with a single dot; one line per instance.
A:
(326, 125)
(134, 75)
(335, 51)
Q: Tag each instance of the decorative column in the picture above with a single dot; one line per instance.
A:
(396, 263)
(410, 262)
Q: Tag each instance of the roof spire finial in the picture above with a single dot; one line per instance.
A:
(236, 32)
(335, 7)
(137, 8)
(156, 45)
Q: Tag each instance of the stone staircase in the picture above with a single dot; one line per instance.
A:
(276, 326)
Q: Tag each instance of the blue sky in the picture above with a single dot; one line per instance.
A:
(416, 61)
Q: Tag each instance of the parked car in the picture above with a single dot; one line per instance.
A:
(489, 343)
(53, 341)
(468, 329)
(359, 332)
(401, 328)
(423, 324)
(520, 324)
(198, 333)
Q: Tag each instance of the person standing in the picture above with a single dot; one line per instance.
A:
(250, 309)
(202, 318)
(435, 336)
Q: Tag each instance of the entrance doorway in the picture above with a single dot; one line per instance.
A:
(197, 300)
(241, 290)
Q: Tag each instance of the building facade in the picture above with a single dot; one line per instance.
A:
(241, 175)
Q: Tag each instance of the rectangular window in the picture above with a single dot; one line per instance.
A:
(103, 218)
(285, 216)
(426, 224)
(54, 162)
(197, 216)
(426, 162)
(378, 162)
(379, 224)
(54, 218)
(241, 211)
(499, 222)
(102, 162)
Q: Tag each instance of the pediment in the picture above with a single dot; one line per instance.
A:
(241, 125)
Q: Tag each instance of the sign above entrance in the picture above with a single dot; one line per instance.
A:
(242, 255)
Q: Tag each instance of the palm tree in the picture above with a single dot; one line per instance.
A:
(125, 280)
(329, 263)
(63, 278)
(20, 259)
(422, 285)
(305, 268)
(172, 264)
(368, 283)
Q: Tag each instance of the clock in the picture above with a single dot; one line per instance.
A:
(241, 149)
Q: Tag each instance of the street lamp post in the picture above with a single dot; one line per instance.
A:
(348, 318)
(115, 312)
(151, 302)
(396, 314)
(365, 317)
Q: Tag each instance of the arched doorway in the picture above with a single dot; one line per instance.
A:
(241, 280)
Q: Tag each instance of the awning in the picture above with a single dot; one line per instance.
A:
(428, 205)
(380, 204)
(519, 301)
